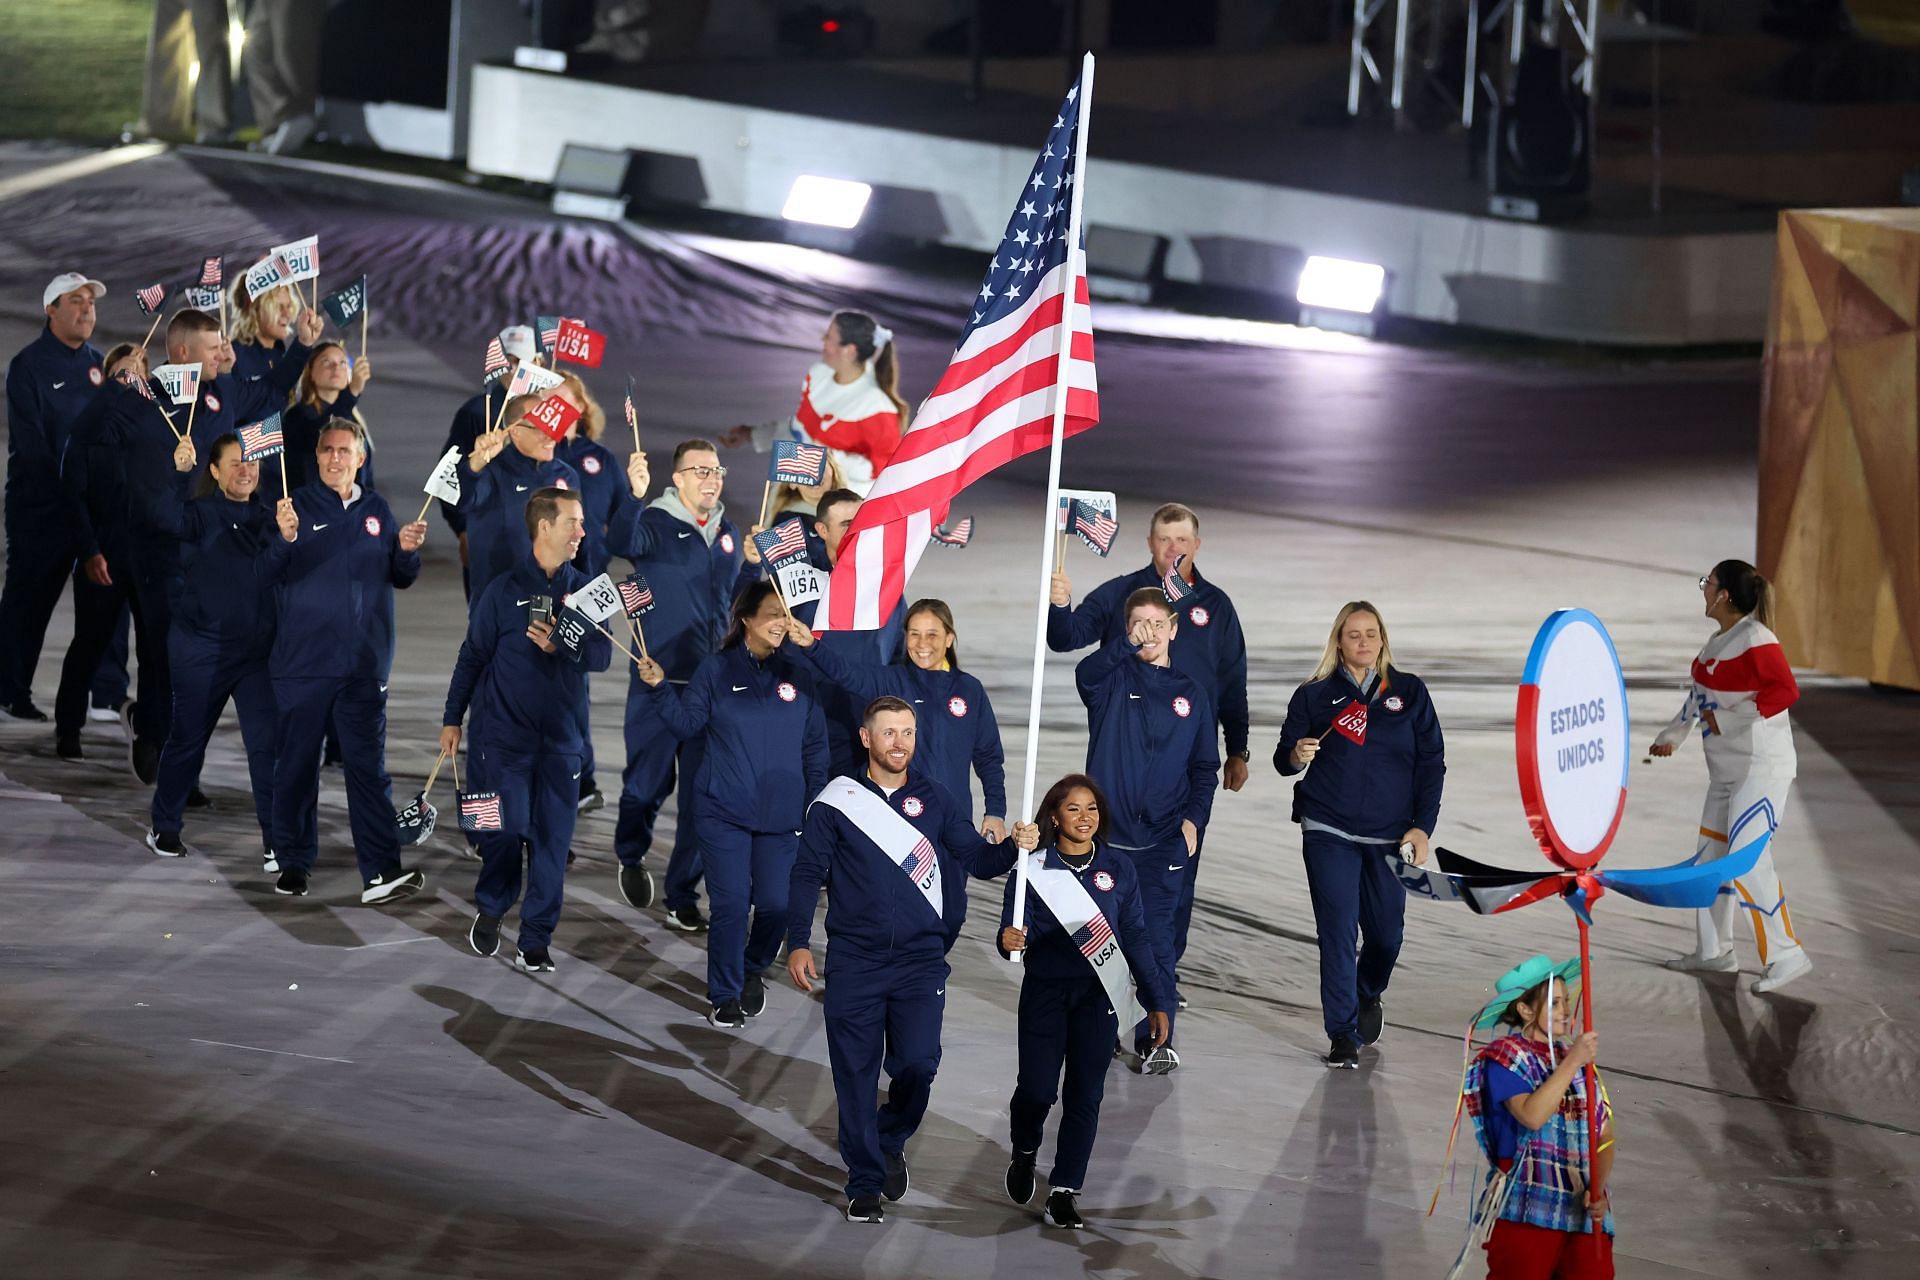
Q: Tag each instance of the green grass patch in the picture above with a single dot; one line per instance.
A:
(71, 68)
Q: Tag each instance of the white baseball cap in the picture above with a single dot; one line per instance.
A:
(516, 339)
(62, 285)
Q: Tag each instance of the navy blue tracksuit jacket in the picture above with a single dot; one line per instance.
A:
(956, 732)
(692, 579)
(229, 402)
(1150, 745)
(1210, 646)
(1379, 789)
(495, 500)
(469, 421)
(301, 423)
(603, 494)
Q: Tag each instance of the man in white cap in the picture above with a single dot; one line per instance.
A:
(476, 417)
(48, 384)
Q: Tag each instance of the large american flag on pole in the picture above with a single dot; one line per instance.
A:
(996, 400)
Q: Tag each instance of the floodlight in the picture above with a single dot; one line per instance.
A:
(1337, 284)
(826, 202)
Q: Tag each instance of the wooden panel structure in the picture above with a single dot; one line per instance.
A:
(1840, 442)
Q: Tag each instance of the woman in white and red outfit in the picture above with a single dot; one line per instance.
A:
(849, 401)
(1741, 690)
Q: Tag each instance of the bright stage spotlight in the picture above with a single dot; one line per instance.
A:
(1335, 284)
(826, 202)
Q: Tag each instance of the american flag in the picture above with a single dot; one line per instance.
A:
(636, 595)
(150, 298)
(955, 535)
(480, 811)
(633, 419)
(496, 364)
(261, 440)
(138, 383)
(1174, 584)
(917, 863)
(781, 543)
(1094, 527)
(798, 463)
(210, 273)
(1093, 937)
(548, 328)
(996, 400)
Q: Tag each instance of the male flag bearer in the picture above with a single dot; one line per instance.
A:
(1211, 649)
(1150, 744)
(339, 556)
(893, 849)
(521, 689)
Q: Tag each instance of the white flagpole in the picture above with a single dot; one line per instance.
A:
(1076, 267)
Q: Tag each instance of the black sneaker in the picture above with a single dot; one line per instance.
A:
(538, 960)
(1160, 1062)
(68, 748)
(687, 920)
(165, 844)
(1373, 1016)
(145, 759)
(1343, 1053)
(484, 936)
(590, 799)
(636, 886)
(393, 886)
(866, 1209)
(292, 882)
(897, 1180)
(197, 799)
(23, 709)
(1061, 1210)
(570, 857)
(1020, 1177)
(727, 1016)
(753, 995)
(269, 862)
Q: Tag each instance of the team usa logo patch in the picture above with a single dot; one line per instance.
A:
(590, 465)
(213, 403)
(96, 377)
(957, 707)
(1103, 881)
(1199, 616)
(373, 526)
(1395, 703)
(786, 691)
(726, 543)
(913, 806)
(1182, 708)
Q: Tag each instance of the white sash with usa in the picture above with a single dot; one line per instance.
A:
(1090, 930)
(899, 839)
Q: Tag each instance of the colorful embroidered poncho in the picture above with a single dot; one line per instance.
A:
(1547, 1184)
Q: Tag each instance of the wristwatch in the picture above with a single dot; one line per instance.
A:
(1246, 754)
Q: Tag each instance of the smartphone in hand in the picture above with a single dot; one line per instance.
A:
(539, 609)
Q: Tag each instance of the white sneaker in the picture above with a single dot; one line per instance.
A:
(1725, 962)
(1796, 964)
(103, 715)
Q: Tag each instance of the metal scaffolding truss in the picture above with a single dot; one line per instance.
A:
(1418, 37)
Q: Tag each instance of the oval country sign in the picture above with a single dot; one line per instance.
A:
(1571, 739)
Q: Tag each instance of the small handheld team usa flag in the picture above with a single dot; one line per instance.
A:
(150, 298)
(1094, 527)
(956, 535)
(1175, 585)
(261, 440)
(532, 380)
(210, 272)
(636, 595)
(267, 274)
(1092, 938)
(633, 418)
(1351, 723)
(554, 416)
(480, 811)
(547, 331)
(578, 344)
(797, 462)
(301, 256)
(495, 366)
(343, 306)
(598, 600)
(785, 541)
(180, 381)
(127, 377)
(202, 297)
(444, 483)
(570, 628)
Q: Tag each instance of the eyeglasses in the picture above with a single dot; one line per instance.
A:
(1703, 580)
(703, 473)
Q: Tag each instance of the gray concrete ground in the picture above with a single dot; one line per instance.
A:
(199, 1078)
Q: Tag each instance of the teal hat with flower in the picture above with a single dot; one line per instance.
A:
(1519, 980)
